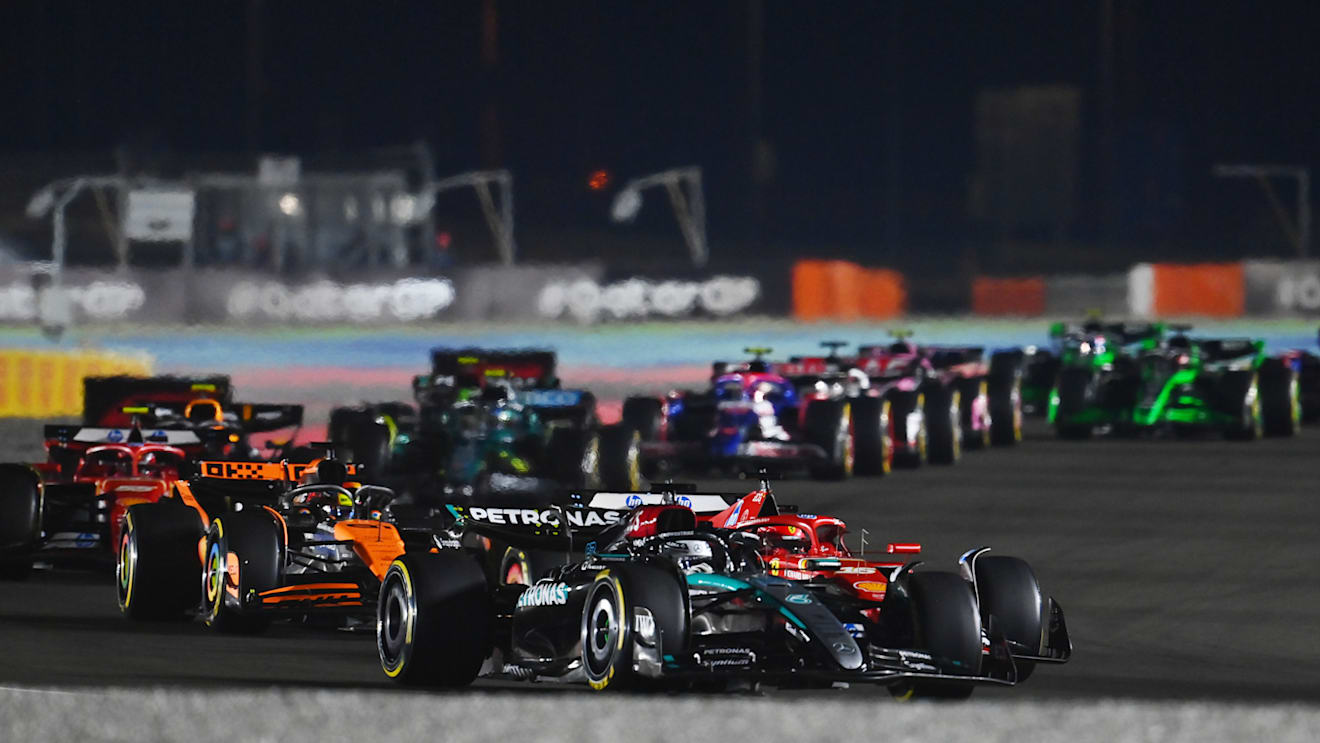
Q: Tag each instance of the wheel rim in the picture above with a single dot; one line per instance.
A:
(849, 447)
(1253, 410)
(602, 626)
(126, 566)
(955, 423)
(886, 441)
(635, 462)
(1295, 405)
(591, 464)
(392, 629)
(214, 579)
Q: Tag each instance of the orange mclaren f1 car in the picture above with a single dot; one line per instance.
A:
(247, 542)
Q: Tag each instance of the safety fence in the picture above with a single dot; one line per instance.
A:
(48, 384)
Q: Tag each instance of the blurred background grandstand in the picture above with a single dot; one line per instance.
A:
(943, 141)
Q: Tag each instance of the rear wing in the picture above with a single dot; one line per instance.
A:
(269, 471)
(586, 515)
(263, 417)
(66, 435)
(104, 398)
(530, 368)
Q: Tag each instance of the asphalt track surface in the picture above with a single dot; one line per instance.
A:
(1186, 570)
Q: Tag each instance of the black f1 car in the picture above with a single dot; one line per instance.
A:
(660, 598)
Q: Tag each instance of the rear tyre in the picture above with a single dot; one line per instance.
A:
(1011, 603)
(1076, 392)
(157, 568)
(645, 415)
(875, 445)
(1240, 392)
(20, 520)
(947, 625)
(1005, 410)
(974, 413)
(574, 457)
(433, 620)
(908, 422)
(829, 425)
(1280, 399)
(943, 425)
(256, 543)
(620, 458)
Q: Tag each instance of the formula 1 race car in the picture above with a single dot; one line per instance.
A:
(203, 405)
(67, 509)
(267, 540)
(752, 416)
(1093, 346)
(662, 598)
(984, 393)
(1229, 385)
(486, 415)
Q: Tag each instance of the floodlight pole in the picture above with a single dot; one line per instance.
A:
(689, 207)
(52, 199)
(1262, 173)
(499, 219)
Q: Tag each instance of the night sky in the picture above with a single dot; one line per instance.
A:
(867, 108)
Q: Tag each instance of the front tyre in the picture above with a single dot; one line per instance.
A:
(1011, 602)
(946, 624)
(433, 620)
(244, 555)
(606, 634)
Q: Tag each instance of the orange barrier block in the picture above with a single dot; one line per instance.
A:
(1202, 289)
(1023, 297)
(885, 295)
(841, 290)
(811, 297)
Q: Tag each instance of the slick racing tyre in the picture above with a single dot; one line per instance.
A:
(947, 625)
(20, 520)
(1005, 391)
(433, 621)
(974, 413)
(156, 568)
(943, 425)
(908, 422)
(573, 457)
(829, 425)
(645, 415)
(620, 458)
(1240, 395)
(1076, 392)
(1280, 399)
(244, 553)
(872, 437)
(607, 643)
(1011, 604)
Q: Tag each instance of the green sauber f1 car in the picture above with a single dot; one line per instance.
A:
(1090, 346)
(1185, 385)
